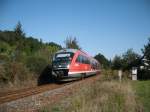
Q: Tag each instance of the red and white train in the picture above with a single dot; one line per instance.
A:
(73, 63)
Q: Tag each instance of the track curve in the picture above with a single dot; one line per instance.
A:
(17, 94)
(13, 95)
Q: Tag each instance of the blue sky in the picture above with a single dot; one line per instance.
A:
(106, 26)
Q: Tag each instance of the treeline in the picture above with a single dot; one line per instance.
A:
(129, 59)
(125, 61)
(23, 58)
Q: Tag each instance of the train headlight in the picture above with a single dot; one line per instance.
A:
(68, 66)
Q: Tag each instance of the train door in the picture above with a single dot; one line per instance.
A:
(83, 63)
(78, 63)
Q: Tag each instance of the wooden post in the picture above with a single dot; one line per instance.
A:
(134, 73)
(120, 75)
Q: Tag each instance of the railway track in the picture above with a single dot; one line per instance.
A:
(14, 95)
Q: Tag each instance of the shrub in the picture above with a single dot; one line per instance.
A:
(4, 47)
(4, 58)
(2, 73)
(143, 74)
(12, 72)
(110, 74)
(36, 64)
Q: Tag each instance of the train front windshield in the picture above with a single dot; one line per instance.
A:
(62, 59)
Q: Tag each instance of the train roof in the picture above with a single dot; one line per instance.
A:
(74, 51)
(67, 50)
(71, 50)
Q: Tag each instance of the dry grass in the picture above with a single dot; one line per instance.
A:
(14, 76)
(6, 87)
(101, 96)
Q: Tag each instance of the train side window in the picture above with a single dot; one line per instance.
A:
(86, 60)
(79, 59)
(83, 59)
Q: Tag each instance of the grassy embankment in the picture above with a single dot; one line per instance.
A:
(105, 95)
(143, 93)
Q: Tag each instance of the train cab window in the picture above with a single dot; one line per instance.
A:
(67, 56)
(82, 59)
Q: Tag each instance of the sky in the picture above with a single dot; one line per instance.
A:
(108, 27)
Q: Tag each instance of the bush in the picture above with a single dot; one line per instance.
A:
(4, 58)
(12, 72)
(2, 73)
(36, 64)
(110, 74)
(4, 47)
(143, 74)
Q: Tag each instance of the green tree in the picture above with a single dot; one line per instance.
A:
(20, 35)
(52, 44)
(48, 51)
(117, 63)
(31, 45)
(4, 48)
(18, 29)
(71, 42)
(130, 59)
(8, 37)
(146, 51)
(144, 74)
(102, 60)
(36, 64)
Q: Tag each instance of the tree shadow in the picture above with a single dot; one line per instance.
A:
(143, 75)
(46, 76)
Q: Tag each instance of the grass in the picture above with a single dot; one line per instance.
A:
(143, 93)
(6, 87)
(101, 96)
